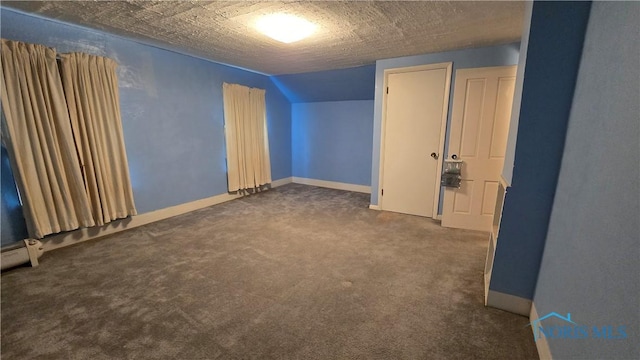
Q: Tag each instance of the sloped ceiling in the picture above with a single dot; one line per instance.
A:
(356, 83)
(350, 33)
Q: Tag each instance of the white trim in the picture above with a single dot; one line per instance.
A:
(438, 217)
(488, 265)
(374, 207)
(443, 127)
(511, 303)
(283, 181)
(84, 234)
(80, 235)
(333, 185)
(504, 182)
(544, 352)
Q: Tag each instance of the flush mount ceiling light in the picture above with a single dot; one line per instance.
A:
(284, 27)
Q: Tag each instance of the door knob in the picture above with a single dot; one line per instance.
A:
(434, 155)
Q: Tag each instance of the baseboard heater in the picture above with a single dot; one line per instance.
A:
(28, 250)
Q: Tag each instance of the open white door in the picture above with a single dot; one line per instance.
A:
(482, 102)
(413, 129)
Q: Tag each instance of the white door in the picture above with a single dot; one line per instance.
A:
(480, 118)
(415, 115)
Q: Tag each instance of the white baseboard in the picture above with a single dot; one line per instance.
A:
(378, 208)
(333, 185)
(544, 352)
(511, 303)
(84, 234)
(283, 181)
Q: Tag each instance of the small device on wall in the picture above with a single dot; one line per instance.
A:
(452, 173)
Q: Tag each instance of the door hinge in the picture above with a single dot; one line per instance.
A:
(387, 89)
(382, 192)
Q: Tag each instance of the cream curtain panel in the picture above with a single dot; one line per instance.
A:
(37, 132)
(245, 121)
(91, 87)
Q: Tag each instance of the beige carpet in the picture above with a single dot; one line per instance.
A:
(297, 272)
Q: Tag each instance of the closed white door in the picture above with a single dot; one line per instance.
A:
(415, 113)
(481, 112)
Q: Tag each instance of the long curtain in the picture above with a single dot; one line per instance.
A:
(91, 87)
(37, 131)
(247, 142)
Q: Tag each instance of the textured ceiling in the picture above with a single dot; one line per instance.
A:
(350, 33)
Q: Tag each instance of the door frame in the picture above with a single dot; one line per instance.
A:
(443, 127)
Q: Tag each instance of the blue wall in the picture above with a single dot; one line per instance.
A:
(332, 141)
(172, 111)
(357, 83)
(553, 57)
(591, 266)
(468, 58)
